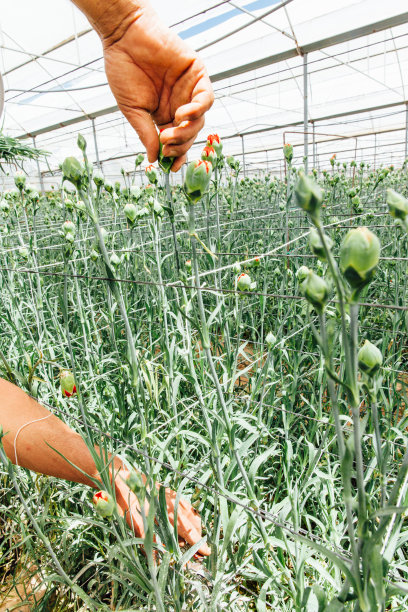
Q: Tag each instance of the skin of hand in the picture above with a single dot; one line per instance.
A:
(33, 452)
(188, 520)
(155, 77)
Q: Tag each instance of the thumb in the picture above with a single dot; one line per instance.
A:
(142, 122)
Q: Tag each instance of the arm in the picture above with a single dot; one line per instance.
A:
(155, 77)
(18, 410)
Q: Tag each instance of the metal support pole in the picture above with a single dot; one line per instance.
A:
(40, 176)
(305, 113)
(406, 131)
(243, 154)
(96, 143)
(314, 144)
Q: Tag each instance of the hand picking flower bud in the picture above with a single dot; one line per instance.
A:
(316, 244)
(397, 204)
(209, 154)
(197, 179)
(308, 195)
(214, 141)
(369, 358)
(104, 503)
(67, 382)
(315, 290)
(359, 256)
(244, 282)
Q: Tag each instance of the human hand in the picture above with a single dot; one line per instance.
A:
(155, 77)
(188, 520)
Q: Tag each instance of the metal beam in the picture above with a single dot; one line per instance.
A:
(324, 43)
(112, 109)
(406, 131)
(305, 116)
(279, 148)
(48, 51)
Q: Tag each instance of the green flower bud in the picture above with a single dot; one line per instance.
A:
(4, 206)
(23, 252)
(115, 261)
(302, 273)
(308, 195)
(104, 504)
(359, 256)
(80, 206)
(152, 175)
(288, 152)
(135, 482)
(130, 211)
(397, 204)
(135, 192)
(244, 282)
(20, 180)
(68, 227)
(369, 358)
(94, 255)
(237, 267)
(197, 179)
(98, 178)
(315, 290)
(108, 186)
(165, 163)
(156, 207)
(270, 340)
(81, 142)
(316, 244)
(188, 264)
(72, 170)
(139, 159)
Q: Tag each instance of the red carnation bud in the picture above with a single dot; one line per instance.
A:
(214, 141)
(209, 154)
(67, 381)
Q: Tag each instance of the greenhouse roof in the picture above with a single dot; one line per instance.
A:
(357, 56)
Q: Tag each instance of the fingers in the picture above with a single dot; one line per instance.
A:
(178, 162)
(188, 523)
(202, 100)
(142, 122)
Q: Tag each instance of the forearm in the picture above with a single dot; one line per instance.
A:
(111, 18)
(29, 442)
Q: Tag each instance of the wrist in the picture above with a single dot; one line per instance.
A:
(111, 18)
